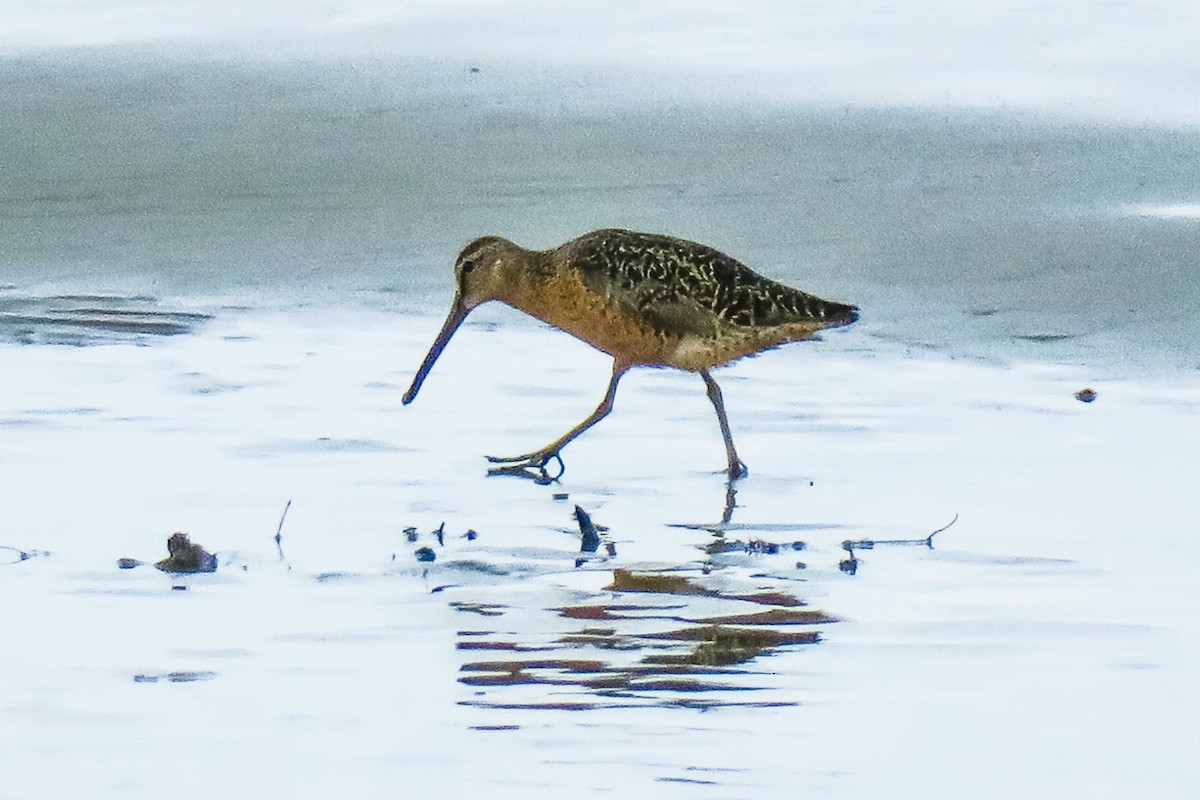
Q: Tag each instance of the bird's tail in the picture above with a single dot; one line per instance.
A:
(837, 315)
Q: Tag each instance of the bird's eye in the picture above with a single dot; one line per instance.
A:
(467, 266)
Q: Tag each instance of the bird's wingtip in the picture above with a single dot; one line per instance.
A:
(841, 315)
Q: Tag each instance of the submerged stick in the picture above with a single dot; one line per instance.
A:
(867, 544)
(849, 565)
(279, 531)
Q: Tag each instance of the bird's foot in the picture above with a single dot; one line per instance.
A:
(737, 470)
(530, 465)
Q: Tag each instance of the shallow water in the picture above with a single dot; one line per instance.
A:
(1043, 646)
(221, 264)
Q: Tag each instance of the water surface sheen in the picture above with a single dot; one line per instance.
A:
(739, 657)
(218, 273)
(350, 180)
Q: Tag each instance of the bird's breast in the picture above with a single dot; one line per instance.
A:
(565, 302)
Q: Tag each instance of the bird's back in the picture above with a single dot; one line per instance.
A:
(676, 289)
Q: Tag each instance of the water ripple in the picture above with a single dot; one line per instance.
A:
(81, 320)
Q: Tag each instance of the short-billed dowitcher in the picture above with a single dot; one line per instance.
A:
(643, 298)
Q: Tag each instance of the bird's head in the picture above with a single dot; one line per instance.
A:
(482, 271)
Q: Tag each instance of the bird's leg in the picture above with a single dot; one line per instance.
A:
(736, 468)
(538, 459)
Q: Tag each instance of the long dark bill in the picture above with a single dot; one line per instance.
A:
(457, 314)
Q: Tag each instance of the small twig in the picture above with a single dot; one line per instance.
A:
(867, 544)
(929, 538)
(279, 531)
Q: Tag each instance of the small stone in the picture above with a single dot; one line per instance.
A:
(186, 556)
(1085, 395)
(425, 554)
(128, 563)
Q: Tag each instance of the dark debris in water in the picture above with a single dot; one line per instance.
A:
(1044, 338)
(478, 567)
(483, 609)
(185, 556)
(850, 564)
(328, 577)
(754, 547)
(494, 728)
(175, 677)
(15, 555)
(695, 781)
(90, 319)
(589, 536)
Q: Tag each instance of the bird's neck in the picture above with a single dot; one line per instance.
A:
(523, 284)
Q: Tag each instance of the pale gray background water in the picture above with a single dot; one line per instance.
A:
(334, 169)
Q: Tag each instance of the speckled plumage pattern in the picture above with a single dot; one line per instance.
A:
(679, 287)
(647, 300)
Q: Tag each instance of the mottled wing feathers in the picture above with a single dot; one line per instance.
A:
(677, 287)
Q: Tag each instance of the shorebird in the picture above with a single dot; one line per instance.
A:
(646, 299)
